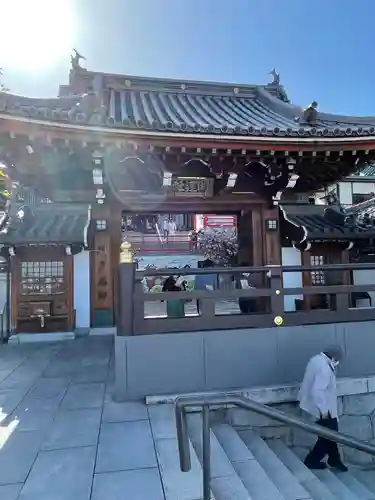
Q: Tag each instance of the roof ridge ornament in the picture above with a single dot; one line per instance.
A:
(281, 93)
(75, 61)
(276, 77)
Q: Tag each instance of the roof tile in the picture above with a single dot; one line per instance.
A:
(51, 223)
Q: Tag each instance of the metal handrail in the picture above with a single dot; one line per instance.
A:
(184, 402)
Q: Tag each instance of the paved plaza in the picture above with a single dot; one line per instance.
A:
(61, 435)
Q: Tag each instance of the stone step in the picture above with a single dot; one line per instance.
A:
(177, 484)
(286, 482)
(322, 484)
(336, 486)
(367, 478)
(356, 486)
(246, 466)
(317, 489)
(225, 483)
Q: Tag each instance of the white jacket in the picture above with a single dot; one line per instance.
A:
(318, 392)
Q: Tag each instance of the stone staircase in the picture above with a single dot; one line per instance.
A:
(246, 467)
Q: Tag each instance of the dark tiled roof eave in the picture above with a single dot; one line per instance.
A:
(315, 226)
(261, 115)
(203, 109)
(54, 224)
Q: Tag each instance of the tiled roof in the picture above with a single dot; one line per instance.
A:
(51, 223)
(315, 225)
(258, 114)
(368, 170)
(364, 210)
(191, 107)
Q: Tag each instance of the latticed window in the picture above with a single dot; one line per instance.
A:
(42, 278)
(317, 277)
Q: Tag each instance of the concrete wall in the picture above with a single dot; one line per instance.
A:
(229, 359)
(348, 188)
(82, 290)
(291, 257)
(346, 193)
(364, 277)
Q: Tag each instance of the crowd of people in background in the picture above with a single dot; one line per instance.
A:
(155, 223)
(209, 282)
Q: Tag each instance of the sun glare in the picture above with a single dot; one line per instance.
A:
(35, 33)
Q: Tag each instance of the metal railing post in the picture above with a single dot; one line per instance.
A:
(206, 445)
(182, 438)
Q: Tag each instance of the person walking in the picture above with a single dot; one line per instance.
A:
(166, 228)
(175, 308)
(318, 398)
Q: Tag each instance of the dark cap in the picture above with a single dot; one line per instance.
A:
(334, 352)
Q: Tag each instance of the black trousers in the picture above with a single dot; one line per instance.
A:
(324, 447)
(247, 305)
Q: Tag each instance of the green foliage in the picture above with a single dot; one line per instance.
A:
(4, 184)
(3, 88)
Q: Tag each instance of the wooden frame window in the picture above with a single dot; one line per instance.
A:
(317, 277)
(42, 278)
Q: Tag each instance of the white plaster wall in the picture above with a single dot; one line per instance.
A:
(291, 257)
(82, 289)
(346, 193)
(364, 277)
(363, 187)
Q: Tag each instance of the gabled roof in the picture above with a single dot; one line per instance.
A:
(314, 222)
(53, 223)
(137, 103)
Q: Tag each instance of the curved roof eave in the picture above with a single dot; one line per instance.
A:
(292, 111)
(107, 133)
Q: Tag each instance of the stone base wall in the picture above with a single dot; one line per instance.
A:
(226, 360)
(357, 419)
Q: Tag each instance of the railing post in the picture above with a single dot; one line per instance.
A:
(277, 298)
(139, 305)
(125, 322)
(342, 302)
(206, 458)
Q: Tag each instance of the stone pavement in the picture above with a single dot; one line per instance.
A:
(61, 435)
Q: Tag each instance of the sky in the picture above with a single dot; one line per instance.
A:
(323, 49)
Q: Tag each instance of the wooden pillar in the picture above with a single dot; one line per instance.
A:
(306, 278)
(245, 240)
(270, 229)
(347, 275)
(257, 237)
(15, 279)
(115, 230)
(102, 306)
(104, 263)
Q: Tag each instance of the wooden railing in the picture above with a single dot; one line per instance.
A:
(268, 298)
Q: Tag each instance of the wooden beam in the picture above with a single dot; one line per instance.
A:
(110, 136)
(272, 246)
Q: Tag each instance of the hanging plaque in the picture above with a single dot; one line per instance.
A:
(192, 186)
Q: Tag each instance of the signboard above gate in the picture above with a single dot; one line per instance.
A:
(192, 186)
